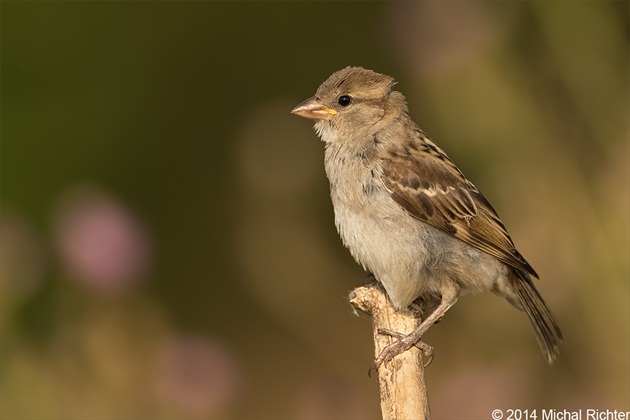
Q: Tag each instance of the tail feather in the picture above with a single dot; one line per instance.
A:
(544, 322)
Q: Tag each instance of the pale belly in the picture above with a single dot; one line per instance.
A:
(409, 257)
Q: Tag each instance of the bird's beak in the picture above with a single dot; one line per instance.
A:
(314, 109)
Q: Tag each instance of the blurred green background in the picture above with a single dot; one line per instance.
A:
(167, 245)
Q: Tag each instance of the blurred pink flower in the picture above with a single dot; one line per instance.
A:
(433, 38)
(197, 374)
(100, 243)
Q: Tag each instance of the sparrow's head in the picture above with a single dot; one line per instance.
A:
(352, 101)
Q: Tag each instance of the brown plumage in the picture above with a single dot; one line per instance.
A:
(434, 191)
(408, 214)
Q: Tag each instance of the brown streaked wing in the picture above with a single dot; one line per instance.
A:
(434, 191)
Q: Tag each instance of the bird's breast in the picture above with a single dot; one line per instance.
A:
(365, 215)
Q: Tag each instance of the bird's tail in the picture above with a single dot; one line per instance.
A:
(544, 322)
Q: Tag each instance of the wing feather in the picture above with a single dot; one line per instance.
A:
(432, 189)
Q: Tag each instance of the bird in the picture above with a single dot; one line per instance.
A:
(409, 216)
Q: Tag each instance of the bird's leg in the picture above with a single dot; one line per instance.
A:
(450, 293)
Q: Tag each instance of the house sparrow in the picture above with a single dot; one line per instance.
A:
(408, 215)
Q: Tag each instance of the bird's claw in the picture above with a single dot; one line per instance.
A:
(401, 345)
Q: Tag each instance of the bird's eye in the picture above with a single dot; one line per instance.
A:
(344, 100)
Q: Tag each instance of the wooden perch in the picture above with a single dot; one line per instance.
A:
(400, 381)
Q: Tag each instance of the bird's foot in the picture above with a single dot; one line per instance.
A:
(404, 343)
